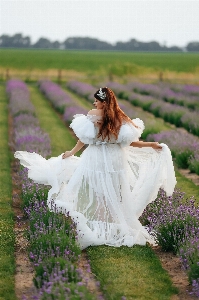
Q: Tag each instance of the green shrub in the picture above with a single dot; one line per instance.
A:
(123, 95)
(182, 158)
(194, 166)
(149, 130)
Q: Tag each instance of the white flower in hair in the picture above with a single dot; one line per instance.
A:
(101, 94)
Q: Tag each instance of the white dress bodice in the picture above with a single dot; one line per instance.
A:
(86, 129)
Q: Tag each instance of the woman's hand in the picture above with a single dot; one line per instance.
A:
(66, 154)
(73, 151)
(156, 146)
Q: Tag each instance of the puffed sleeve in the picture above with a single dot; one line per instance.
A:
(129, 133)
(83, 128)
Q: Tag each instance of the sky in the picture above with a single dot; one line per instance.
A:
(169, 22)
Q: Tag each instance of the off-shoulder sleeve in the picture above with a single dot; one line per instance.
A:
(140, 125)
(83, 128)
(129, 133)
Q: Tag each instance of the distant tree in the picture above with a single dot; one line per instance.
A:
(16, 41)
(56, 45)
(43, 43)
(86, 43)
(19, 41)
(175, 49)
(193, 46)
(134, 45)
(5, 41)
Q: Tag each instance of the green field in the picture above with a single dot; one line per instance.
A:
(93, 61)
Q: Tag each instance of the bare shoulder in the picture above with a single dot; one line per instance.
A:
(95, 112)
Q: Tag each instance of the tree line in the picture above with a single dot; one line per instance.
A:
(87, 43)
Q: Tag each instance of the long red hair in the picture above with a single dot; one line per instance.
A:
(113, 116)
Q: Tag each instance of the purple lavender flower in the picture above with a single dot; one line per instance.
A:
(195, 288)
(27, 133)
(71, 111)
(81, 88)
(171, 219)
(19, 98)
(57, 96)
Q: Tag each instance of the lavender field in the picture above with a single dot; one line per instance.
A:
(53, 249)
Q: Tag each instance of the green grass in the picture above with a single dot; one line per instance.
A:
(7, 262)
(187, 186)
(50, 122)
(95, 61)
(133, 272)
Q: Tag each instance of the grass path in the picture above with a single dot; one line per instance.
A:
(7, 262)
(133, 272)
(138, 264)
(187, 186)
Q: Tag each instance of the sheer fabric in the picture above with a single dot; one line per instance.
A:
(106, 189)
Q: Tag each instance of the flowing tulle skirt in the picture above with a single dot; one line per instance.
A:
(105, 190)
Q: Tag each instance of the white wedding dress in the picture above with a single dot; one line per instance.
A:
(106, 189)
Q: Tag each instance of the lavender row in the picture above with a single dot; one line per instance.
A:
(185, 96)
(27, 134)
(87, 91)
(174, 223)
(172, 113)
(156, 89)
(19, 96)
(61, 100)
(52, 236)
(183, 145)
(188, 89)
(171, 92)
(83, 89)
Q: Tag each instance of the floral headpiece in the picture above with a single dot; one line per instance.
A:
(101, 94)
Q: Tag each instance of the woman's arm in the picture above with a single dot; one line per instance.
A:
(77, 147)
(140, 144)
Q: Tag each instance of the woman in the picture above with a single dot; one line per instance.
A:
(106, 189)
